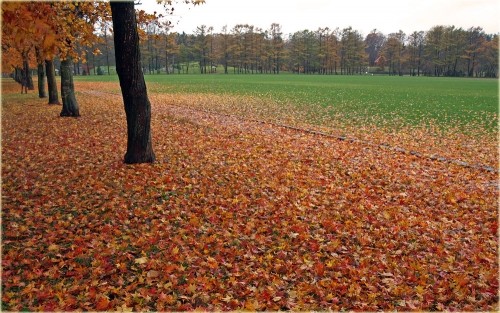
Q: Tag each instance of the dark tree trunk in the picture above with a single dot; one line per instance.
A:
(18, 75)
(70, 106)
(29, 78)
(41, 81)
(51, 82)
(41, 74)
(26, 79)
(133, 86)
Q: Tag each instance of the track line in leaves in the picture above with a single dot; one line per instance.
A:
(307, 128)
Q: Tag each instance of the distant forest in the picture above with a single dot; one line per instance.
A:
(246, 49)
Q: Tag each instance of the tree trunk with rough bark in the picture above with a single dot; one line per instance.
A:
(51, 82)
(70, 105)
(133, 86)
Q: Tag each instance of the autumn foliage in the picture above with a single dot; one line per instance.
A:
(233, 215)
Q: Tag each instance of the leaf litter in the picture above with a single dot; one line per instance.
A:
(235, 215)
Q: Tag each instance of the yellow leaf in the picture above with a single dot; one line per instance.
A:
(141, 260)
(53, 247)
(227, 298)
(168, 285)
(191, 288)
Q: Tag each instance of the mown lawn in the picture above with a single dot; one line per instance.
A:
(449, 102)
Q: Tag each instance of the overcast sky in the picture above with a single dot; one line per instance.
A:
(387, 16)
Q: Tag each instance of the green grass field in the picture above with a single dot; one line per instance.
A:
(448, 102)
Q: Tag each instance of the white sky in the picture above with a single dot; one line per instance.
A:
(387, 16)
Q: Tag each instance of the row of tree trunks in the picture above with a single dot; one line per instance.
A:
(70, 105)
(132, 83)
(24, 78)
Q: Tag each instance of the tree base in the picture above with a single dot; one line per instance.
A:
(69, 114)
(136, 159)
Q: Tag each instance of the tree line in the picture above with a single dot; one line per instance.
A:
(439, 51)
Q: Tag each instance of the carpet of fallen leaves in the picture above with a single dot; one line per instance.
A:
(234, 215)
